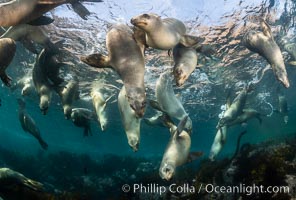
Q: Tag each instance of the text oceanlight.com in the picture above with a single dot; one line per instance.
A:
(208, 188)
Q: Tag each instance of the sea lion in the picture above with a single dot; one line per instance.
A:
(81, 117)
(177, 151)
(41, 82)
(185, 59)
(69, 93)
(235, 108)
(246, 115)
(8, 177)
(165, 33)
(159, 119)
(23, 11)
(127, 59)
(291, 49)
(99, 103)
(26, 33)
(131, 122)
(283, 106)
(167, 102)
(219, 141)
(28, 124)
(7, 52)
(25, 83)
(264, 44)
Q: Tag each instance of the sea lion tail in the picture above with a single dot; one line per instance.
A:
(43, 144)
(80, 9)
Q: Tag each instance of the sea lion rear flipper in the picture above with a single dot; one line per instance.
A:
(42, 20)
(266, 28)
(96, 60)
(292, 62)
(80, 9)
(43, 144)
(154, 104)
(194, 155)
(181, 125)
(191, 41)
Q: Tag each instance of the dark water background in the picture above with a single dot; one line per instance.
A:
(223, 23)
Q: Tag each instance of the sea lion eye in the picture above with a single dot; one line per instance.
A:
(146, 16)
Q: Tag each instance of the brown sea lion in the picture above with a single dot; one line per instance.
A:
(7, 51)
(177, 152)
(131, 122)
(164, 33)
(264, 44)
(185, 59)
(29, 125)
(127, 59)
(23, 11)
(82, 117)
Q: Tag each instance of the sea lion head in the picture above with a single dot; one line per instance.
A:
(145, 21)
(180, 75)
(167, 171)
(282, 77)
(44, 104)
(134, 143)
(67, 111)
(137, 100)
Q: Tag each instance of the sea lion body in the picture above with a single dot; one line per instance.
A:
(81, 117)
(235, 109)
(7, 52)
(165, 33)
(17, 12)
(131, 122)
(127, 59)
(168, 102)
(28, 124)
(219, 141)
(264, 44)
(246, 115)
(291, 49)
(41, 82)
(68, 95)
(27, 33)
(283, 107)
(177, 151)
(185, 59)
(99, 103)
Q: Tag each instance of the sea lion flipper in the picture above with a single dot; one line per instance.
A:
(194, 156)
(42, 20)
(266, 28)
(96, 60)
(43, 144)
(293, 62)
(6, 79)
(191, 41)
(80, 9)
(181, 125)
(155, 105)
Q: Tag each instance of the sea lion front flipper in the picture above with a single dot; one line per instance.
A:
(5, 79)
(43, 144)
(194, 156)
(266, 28)
(80, 9)
(96, 60)
(292, 62)
(42, 20)
(181, 125)
(154, 104)
(191, 41)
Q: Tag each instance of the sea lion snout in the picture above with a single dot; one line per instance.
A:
(180, 77)
(166, 172)
(139, 107)
(134, 144)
